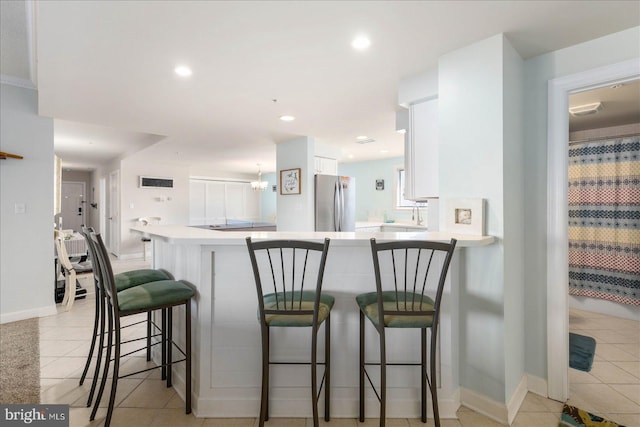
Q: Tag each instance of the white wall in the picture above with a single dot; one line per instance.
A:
(171, 204)
(296, 211)
(600, 52)
(472, 92)
(26, 240)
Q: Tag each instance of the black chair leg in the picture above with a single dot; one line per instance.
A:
(114, 380)
(149, 320)
(264, 393)
(96, 320)
(433, 382)
(163, 344)
(327, 368)
(107, 361)
(361, 386)
(188, 356)
(314, 376)
(383, 378)
(169, 345)
(423, 374)
(96, 373)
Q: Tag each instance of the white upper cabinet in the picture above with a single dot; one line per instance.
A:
(421, 151)
(213, 202)
(326, 166)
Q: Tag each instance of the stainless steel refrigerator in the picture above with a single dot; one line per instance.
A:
(335, 203)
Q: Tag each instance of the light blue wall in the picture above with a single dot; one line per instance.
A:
(26, 239)
(607, 50)
(372, 203)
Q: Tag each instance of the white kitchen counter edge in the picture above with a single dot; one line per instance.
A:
(180, 234)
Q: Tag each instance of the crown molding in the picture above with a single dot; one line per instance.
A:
(17, 81)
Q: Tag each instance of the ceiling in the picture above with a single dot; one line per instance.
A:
(105, 69)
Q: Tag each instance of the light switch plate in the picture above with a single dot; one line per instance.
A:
(20, 208)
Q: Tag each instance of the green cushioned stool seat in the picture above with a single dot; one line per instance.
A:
(129, 279)
(306, 303)
(154, 294)
(393, 301)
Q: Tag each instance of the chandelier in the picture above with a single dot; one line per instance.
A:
(259, 185)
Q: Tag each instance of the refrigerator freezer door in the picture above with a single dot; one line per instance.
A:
(325, 203)
(348, 195)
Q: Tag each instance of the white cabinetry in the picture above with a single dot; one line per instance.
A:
(326, 166)
(421, 151)
(212, 202)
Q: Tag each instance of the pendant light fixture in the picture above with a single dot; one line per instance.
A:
(259, 185)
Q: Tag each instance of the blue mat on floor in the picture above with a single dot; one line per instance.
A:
(581, 352)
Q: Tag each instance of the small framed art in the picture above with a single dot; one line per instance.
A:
(290, 181)
(465, 216)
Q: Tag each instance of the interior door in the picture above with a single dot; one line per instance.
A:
(113, 220)
(73, 205)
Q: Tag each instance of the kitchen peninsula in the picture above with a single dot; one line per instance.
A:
(226, 334)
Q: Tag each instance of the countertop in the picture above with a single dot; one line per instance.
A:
(181, 234)
(363, 224)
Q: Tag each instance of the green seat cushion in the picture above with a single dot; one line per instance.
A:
(129, 279)
(308, 299)
(393, 301)
(154, 294)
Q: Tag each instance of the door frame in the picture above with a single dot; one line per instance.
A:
(114, 212)
(557, 212)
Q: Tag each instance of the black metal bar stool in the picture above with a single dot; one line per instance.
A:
(283, 268)
(123, 281)
(403, 269)
(159, 295)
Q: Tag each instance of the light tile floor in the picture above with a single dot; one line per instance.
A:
(611, 389)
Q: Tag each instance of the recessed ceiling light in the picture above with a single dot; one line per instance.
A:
(360, 43)
(362, 137)
(286, 118)
(183, 71)
(384, 151)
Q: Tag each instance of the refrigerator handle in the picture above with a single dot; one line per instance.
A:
(341, 204)
(336, 207)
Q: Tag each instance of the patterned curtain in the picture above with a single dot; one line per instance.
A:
(604, 219)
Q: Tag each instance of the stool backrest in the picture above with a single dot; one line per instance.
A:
(106, 279)
(287, 269)
(411, 269)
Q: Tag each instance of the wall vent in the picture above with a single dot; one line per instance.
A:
(155, 182)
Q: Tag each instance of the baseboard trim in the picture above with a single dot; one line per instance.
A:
(28, 314)
(484, 405)
(513, 406)
(537, 385)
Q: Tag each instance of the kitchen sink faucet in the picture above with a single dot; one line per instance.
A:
(417, 219)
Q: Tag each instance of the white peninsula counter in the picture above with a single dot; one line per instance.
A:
(226, 334)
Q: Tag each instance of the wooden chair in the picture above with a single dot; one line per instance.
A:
(288, 276)
(403, 271)
(71, 276)
(145, 298)
(125, 280)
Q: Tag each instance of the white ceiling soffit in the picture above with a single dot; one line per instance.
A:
(112, 63)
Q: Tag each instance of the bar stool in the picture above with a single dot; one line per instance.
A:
(283, 267)
(123, 281)
(403, 269)
(145, 298)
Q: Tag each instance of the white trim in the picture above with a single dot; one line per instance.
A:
(48, 310)
(17, 81)
(484, 405)
(537, 385)
(557, 213)
(513, 406)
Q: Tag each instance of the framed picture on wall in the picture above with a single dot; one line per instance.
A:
(465, 216)
(290, 181)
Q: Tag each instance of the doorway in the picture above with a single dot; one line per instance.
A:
(557, 218)
(73, 205)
